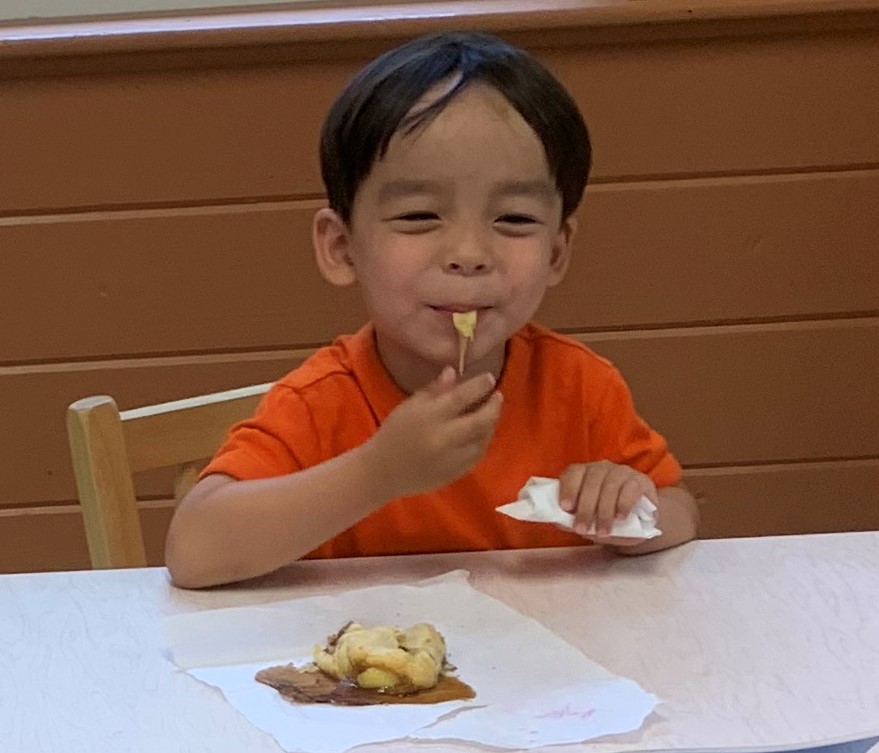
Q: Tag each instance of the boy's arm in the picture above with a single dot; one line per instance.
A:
(226, 530)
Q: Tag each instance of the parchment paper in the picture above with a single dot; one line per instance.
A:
(532, 688)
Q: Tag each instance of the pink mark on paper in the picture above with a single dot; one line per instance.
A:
(567, 712)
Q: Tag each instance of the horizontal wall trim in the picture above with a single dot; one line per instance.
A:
(721, 326)
(48, 507)
(868, 319)
(726, 177)
(145, 210)
(604, 21)
(792, 465)
(72, 506)
(313, 201)
(702, 329)
(141, 361)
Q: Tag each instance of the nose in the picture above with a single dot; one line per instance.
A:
(468, 256)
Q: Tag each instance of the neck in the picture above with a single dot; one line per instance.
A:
(412, 373)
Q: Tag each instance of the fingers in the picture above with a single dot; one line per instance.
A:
(570, 483)
(465, 438)
(464, 414)
(443, 383)
(465, 396)
(479, 423)
(440, 432)
(598, 493)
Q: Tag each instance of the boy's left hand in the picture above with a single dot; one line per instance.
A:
(601, 492)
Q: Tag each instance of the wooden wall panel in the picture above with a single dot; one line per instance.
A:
(53, 538)
(33, 403)
(250, 131)
(738, 248)
(728, 395)
(155, 210)
(761, 103)
(184, 136)
(748, 501)
(169, 282)
(243, 276)
(751, 394)
(786, 499)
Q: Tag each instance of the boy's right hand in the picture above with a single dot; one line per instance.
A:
(436, 435)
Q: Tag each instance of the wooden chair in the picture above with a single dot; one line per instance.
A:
(108, 446)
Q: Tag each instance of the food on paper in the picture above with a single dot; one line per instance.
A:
(384, 657)
(363, 666)
(465, 323)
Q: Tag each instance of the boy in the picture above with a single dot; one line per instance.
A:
(453, 166)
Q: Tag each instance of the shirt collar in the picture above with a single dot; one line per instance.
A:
(382, 392)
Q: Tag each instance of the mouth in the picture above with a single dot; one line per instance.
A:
(458, 308)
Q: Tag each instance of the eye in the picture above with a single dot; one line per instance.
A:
(417, 217)
(517, 225)
(517, 219)
(414, 223)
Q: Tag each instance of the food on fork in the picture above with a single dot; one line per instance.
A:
(465, 323)
(363, 666)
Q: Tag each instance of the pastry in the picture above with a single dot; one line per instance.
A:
(363, 666)
(386, 658)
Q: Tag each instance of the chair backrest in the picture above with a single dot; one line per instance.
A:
(108, 446)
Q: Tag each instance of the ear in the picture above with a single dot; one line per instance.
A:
(560, 259)
(331, 238)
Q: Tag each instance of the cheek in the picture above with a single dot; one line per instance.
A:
(389, 272)
(529, 269)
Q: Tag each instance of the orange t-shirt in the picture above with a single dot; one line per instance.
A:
(563, 404)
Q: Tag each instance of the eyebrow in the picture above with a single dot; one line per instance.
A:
(397, 189)
(538, 189)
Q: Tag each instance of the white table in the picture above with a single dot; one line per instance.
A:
(746, 641)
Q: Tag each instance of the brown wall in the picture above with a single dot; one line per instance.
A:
(156, 195)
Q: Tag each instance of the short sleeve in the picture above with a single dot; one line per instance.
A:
(619, 434)
(263, 446)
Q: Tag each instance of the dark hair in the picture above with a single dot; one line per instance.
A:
(377, 102)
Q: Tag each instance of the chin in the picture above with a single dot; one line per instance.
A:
(416, 354)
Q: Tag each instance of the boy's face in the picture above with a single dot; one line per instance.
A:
(460, 215)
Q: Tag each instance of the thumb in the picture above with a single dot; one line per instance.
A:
(444, 381)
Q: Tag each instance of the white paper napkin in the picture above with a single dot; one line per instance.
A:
(532, 688)
(538, 502)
